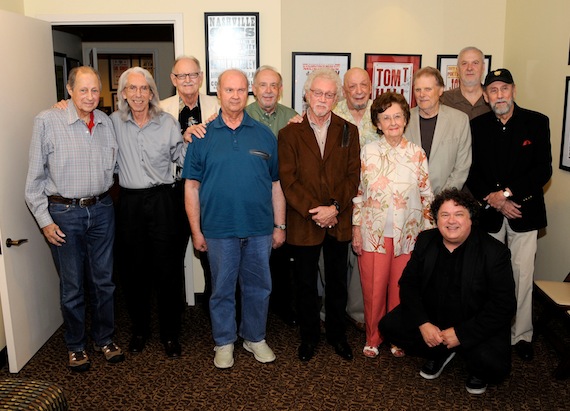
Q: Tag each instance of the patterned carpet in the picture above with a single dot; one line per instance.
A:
(152, 382)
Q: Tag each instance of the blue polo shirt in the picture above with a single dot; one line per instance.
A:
(236, 169)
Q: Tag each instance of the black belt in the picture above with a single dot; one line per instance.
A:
(81, 202)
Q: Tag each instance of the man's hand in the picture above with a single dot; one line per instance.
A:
(296, 119)
(53, 234)
(431, 334)
(449, 338)
(356, 240)
(324, 216)
(199, 242)
(511, 210)
(61, 105)
(278, 237)
(198, 130)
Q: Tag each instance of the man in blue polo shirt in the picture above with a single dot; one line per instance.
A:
(236, 210)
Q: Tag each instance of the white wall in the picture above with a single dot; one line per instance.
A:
(536, 51)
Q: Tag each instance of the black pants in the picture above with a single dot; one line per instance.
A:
(150, 258)
(490, 360)
(306, 271)
(282, 300)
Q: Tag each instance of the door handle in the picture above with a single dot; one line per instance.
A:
(17, 243)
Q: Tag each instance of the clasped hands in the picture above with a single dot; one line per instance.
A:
(507, 207)
(324, 216)
(433, 336)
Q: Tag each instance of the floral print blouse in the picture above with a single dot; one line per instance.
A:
(396, 175)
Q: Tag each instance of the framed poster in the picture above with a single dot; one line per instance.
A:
(232, 41)
(447, 65)
(114, 101)
(393, 72)
(565, 145)
(117, 66)
(305, 63)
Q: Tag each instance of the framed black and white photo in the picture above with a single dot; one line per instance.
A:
(447, 65)
(232, 41)
(305, 63)
(565, 145)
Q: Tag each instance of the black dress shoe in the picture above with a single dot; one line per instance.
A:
(172, 349)
(306, 351)
(524, 350)
(137, 344)
(475, 385)
(343, 349)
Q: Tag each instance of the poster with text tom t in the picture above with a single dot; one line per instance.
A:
(392, 72)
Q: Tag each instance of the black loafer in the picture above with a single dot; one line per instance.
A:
(524, 350)
(172, 349)
(306, 351)
(137, 344)
(343, 349)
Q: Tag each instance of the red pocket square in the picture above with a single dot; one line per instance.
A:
(527, 143)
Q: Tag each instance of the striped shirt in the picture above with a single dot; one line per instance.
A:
(65, 159)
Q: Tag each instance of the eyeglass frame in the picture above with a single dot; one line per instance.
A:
(191, 76)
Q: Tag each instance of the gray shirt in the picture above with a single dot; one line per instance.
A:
(146, 154)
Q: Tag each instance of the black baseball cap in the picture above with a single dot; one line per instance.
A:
(501, 74)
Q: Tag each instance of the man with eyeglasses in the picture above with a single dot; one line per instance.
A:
(147, 230)
(236, 211)
(192, 109)
(443, 132)
(319, 166)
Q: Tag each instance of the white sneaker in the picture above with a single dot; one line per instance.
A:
(260, 350)
(224, 357)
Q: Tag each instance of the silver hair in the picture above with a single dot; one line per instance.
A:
(154, 103)
(82, 69)
(270, 68)
(471, 48)
(326, 73)
(194, 59)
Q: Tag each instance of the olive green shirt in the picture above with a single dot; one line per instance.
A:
(276, 120)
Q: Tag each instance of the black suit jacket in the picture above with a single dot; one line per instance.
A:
(488, 301)
(524, 167)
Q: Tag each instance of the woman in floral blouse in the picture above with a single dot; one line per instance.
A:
(391, 208)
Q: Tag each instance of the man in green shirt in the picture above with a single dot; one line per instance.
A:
(267, 88)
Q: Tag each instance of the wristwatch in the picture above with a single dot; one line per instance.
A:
(506, 193)
(280, 226)
(335, 204)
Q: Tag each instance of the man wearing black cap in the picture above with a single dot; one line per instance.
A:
(512, 162)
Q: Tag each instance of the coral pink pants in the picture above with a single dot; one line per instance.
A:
(379, 276)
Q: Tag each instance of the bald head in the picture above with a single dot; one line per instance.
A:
(357, 88)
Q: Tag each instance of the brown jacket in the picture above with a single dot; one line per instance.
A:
(309, 181)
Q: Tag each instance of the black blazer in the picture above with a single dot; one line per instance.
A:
(487, 286)
(525, 166)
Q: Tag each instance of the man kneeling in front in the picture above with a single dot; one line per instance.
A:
(457, 295)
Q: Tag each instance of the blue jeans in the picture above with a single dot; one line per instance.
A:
(86, 254)
(245, 260)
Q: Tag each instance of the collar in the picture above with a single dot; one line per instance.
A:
(246, 121)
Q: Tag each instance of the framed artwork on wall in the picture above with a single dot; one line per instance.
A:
(565, 145)
(304, 63)
(392, 72)
(232, 41)
(117, 66)
(447, 65)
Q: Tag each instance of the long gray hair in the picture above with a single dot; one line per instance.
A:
(154, 104)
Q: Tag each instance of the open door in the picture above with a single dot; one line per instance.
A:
(29, 285)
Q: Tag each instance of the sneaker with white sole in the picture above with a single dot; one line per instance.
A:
(433, 368)
(224, 357)
(79, 361)
(113, 354)
(260, 351)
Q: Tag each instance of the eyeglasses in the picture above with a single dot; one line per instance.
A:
(396, 117)
(319, 93)
(192, 76)
(133, 89)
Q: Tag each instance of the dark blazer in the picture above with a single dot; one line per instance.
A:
(525, 166)
(309, 181)
(488, 301)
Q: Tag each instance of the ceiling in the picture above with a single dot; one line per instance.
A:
(121, 32)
